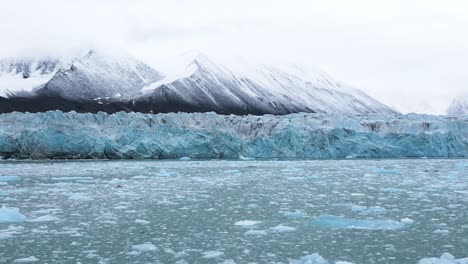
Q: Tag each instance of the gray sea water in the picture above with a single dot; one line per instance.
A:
(224, 211)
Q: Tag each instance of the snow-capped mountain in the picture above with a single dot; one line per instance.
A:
(256, 89)
(459, 106)
(21, 76)
(96, 76)
(101, 82)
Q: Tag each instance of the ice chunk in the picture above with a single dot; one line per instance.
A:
(407, 221)
(283, 228)
(368, 210)
(11, 215)
(247, 223)
(315, 259)
(256, 232)
(372, 224)
(446, 258)
(165, 173)
(389, 172)
(26, 260)
(9, 178)
(79, 197)
(141, 221)
(70, 178)
(117, 181)
(184, 158)
(44, 218)
(295, 215)
(310, 259)
(144, 247)
(212, 254)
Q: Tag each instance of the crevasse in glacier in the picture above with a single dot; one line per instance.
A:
(122, 135)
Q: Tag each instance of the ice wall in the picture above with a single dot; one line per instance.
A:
(207, 135)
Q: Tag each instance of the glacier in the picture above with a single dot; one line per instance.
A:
(71, 135)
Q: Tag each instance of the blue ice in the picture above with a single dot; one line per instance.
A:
(353, 223)
(10, 215)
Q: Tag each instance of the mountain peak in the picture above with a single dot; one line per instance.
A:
(458, 106)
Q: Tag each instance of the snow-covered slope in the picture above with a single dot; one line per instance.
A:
(207, 135)
(247, 88)
(21, 76)
(98, 81)
(97, 75)
(459, 106)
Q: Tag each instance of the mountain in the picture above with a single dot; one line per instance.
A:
(95, 76)
(459, 106)
(21, 76)
(255, 89)
(99, 82)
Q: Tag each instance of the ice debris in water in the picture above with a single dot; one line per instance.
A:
(44, 218)
(446, 258)
(389, 172)
(246, 223)
(315, 259)
(252, 232)
(283, 228)
(141, 221)
(79, 197)
(212, 254)
(144, 247)
(295, 215)
(11, 215)
(352, 223)
(117, 181)
(9, 178)
(367, 210)
(26, 260)
(208, 135)
(184, 158)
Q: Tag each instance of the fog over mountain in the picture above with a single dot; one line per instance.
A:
(411, 56)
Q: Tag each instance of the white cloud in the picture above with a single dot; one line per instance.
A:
(408, 54)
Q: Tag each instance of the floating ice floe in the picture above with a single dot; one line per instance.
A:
(44, 218)
(446, 258)
(165, 173)
(70, 178)
(368, 210)
(212, 254)
(247, 223)
(144, 247)
(283, 228)
(295, 215)
(252, 232)
(26, 260)
(79, 197)
(389, 172)
(11, 215)
(10, 231)
(315, 259)
(9, 178)
(141, 221)
(184, 158)
(352, 223)
(117, 181)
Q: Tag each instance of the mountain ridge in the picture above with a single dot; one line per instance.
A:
(100, 82)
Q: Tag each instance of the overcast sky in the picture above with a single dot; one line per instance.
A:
(411, 55)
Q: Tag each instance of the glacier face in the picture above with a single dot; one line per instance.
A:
(122, 135)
